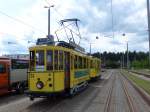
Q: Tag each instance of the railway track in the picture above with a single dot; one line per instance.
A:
(87, 104)
(139, 90)
(130, 101)
(109, 97)
(109, 106)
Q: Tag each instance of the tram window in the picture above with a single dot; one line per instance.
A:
(2, 68)
(49, 60)
(32, 60)
(56, 60)
(60, 60)
(88, 63)
(80, 62)
(91, 64)
(19, 64)
(71, 62)
(94, 64)
(84, 62)
(75, 62)
(40, 58)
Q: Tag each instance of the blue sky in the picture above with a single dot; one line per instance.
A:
(129, 17)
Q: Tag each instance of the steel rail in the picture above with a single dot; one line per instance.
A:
(109, 97)
(139, 90)
(128, 96)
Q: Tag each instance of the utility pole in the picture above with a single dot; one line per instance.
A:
(123, 59)
(49, 24)
(127, 53)
(148, 16)
(90, 48)
(91, 45)
(121, 62)
(127, 57)
(49, 17)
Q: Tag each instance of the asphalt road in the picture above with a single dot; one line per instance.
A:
(104, 95)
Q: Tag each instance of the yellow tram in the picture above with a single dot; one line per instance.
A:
(59, 69)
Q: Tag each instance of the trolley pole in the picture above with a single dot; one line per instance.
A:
(148, 17)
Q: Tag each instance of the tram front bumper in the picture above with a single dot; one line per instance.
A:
(37, 94)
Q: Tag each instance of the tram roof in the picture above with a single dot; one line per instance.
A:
(41, 47)
(53, 47)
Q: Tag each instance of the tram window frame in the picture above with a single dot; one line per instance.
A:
(32, 60)
(56, 60)
(49, 62)
(61, 60)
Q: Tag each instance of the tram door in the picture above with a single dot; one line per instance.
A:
(67, 69)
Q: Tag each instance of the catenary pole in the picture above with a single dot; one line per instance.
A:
(148, 18)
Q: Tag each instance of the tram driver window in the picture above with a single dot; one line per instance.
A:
(50, 60)
(40, 60)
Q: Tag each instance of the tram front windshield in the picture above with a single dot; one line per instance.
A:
(37, 60)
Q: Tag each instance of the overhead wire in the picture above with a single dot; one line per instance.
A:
(47, 2)
(112, 18)
(20, 21)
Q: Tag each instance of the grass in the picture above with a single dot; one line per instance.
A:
(144, 84)
(146, 71)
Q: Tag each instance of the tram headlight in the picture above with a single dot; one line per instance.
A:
(39, 85)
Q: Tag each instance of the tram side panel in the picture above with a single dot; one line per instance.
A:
(79, 71)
